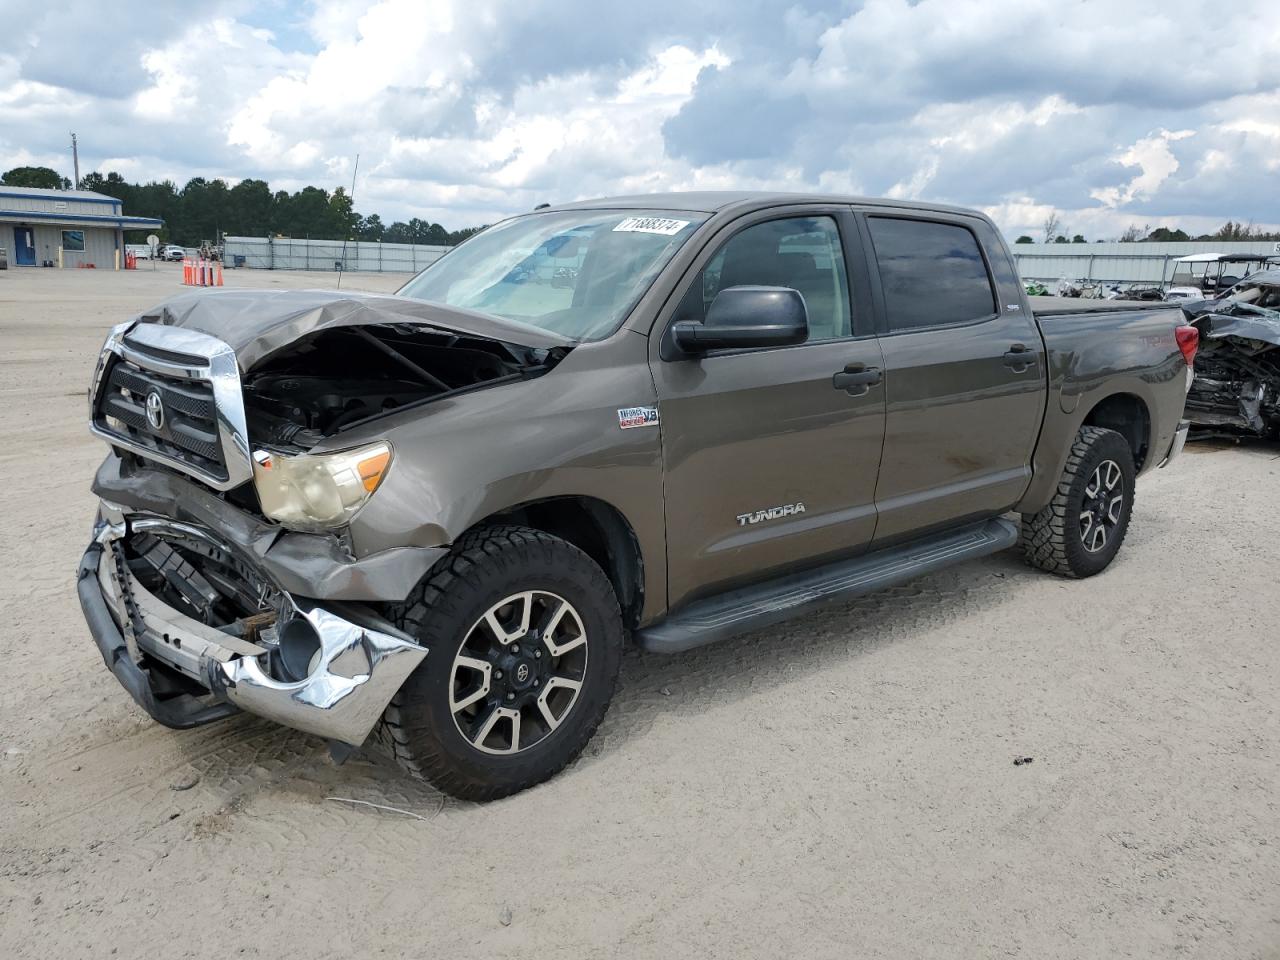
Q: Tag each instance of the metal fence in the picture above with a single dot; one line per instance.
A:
(282, 253)
(1104, 262)
(1119, 262)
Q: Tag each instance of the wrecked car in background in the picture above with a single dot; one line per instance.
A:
(1236, 389)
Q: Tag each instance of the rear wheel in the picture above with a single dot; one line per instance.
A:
(1082, 528)
(524, 641)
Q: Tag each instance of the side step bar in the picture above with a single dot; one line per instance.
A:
(750, 608)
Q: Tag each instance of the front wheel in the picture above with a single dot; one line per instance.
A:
(1080, 531)
(524, 641)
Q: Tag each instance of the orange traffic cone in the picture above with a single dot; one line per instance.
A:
(186, 272)
(218, 265)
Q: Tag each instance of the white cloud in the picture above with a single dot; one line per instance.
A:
(466, 111)
(560, 138)
(1156, 162)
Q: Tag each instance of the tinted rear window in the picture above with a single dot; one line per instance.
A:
(932, 273)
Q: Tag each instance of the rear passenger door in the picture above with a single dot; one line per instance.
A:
(964, 373)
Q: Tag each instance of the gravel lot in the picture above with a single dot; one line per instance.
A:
(842, 786)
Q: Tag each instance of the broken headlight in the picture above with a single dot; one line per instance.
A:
(318, 491)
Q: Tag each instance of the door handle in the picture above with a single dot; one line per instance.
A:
(856, 379)
(1019, 358)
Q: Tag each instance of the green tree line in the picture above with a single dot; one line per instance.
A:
(208, 209)
(1229, 231)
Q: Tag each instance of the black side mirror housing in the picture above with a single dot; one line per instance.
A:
(742, 317)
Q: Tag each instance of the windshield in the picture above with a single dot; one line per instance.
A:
(576, 273)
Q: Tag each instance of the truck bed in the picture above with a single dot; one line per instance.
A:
(1055, 306)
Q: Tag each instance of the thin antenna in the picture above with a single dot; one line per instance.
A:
(354, 171)
(75, 159)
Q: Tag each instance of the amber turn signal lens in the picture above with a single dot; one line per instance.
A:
(372, 469)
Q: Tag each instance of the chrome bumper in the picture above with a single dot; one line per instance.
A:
(354, 671)
(1179, 441)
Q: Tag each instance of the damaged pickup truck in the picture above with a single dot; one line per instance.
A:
(1236, 391)
(441, 515)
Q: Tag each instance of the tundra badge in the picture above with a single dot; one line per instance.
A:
(773, 513)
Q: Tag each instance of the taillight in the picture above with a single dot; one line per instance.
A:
(1188, 342)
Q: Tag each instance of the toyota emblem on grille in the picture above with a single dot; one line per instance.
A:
(155, 410)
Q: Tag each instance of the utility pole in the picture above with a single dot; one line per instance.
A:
(75, 159)
(343, 261)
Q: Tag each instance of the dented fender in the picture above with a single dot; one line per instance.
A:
(460, 460)
(304, 564)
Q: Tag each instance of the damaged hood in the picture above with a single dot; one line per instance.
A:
(258, 323)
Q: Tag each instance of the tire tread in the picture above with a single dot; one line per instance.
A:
(1043, 536)
(402, 727)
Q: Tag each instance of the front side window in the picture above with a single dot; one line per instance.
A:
(575, 273)
(73, 241)
(802, 253)
(932, 273)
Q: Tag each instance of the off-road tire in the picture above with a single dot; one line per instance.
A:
(483, 567)
(1051, 539)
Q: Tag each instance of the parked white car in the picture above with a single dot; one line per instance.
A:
(171, 251)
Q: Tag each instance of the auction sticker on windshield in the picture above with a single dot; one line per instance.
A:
(661, 225)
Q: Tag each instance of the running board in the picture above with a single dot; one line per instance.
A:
(750, 608)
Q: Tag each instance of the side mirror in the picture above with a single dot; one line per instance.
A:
(746, 317)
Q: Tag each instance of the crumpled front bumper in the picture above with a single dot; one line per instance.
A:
(358, 663)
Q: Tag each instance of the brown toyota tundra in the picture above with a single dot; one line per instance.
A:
(663, 420)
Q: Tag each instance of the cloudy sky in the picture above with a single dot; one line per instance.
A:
(1110, 112)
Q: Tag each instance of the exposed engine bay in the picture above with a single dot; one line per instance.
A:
(335, 379)
(1236, 389)
(207, 584)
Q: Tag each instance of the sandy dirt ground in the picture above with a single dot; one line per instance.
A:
(841, 786)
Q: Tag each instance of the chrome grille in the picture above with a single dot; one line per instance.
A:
(191, 383)
(189, 428)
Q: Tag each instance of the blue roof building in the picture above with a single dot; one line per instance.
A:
(65, 227)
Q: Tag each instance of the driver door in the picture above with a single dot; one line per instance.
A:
(770, 466)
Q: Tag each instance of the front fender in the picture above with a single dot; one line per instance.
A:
(461, 460)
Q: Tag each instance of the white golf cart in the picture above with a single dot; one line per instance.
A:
(1203, 275)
